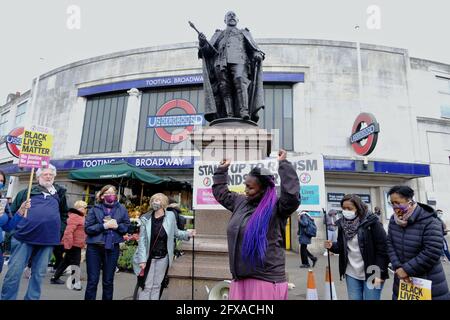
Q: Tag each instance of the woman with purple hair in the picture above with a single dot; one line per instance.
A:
(256, 229)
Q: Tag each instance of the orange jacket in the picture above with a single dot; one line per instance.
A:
(74, 235)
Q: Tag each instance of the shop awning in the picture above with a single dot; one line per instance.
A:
(117, 170)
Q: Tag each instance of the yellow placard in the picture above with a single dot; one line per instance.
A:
(36, 143)
(419, 289)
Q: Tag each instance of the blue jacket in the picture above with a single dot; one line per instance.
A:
(43, 222)
(93, 225)
(145, 234)
(8, 222)
(302, 224)
(417, 249)
(37, 190)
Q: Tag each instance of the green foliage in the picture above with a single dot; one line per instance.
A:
(185, 211)
(125, 261)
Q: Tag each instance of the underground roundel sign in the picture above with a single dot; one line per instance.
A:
(14, 141)
(364, 134)
(176, 114)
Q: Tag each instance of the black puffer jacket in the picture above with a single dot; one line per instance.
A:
(417, 249)
(372, 244)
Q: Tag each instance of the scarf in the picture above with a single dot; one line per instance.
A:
(402, 221)
(350, 227)
(109, 233)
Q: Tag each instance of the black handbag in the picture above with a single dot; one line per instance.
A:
(142, 278)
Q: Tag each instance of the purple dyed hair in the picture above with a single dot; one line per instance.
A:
(254, 245)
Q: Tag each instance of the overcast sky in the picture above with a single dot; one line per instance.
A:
(35, 37)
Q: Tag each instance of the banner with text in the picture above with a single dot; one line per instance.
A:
(36, 147)
(418, 289)
(309, 168)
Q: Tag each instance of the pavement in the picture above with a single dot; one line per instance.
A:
(125, 282)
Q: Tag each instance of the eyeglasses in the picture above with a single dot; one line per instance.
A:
(396, 204)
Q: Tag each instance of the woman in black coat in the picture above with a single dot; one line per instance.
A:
(362, 250)
(415, 242)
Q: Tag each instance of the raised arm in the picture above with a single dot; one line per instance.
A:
(220, 189)
(289, 187)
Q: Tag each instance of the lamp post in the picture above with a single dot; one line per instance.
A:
(358, 54)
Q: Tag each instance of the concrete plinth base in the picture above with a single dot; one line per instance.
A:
(232, 139)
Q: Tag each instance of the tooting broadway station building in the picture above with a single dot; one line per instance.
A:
(107, 108)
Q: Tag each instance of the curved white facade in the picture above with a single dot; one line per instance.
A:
(406, 95)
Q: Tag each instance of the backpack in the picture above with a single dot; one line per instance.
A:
(311, 229)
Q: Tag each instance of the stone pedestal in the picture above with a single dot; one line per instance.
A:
(237, 140)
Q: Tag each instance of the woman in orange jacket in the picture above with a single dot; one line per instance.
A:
(74, 240)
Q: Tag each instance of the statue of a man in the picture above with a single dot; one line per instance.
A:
(232, 73)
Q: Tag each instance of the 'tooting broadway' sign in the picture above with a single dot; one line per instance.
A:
(310, 171)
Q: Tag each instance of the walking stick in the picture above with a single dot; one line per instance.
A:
(328, 252)
(193, 254)
(252, 95)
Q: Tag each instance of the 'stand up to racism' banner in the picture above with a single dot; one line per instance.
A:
(310, 171)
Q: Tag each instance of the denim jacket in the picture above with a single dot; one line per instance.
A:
(145, 234)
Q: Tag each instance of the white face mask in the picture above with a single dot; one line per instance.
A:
(156, 205)
(349, 215)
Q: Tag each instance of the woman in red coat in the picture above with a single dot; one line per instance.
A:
(74, 240)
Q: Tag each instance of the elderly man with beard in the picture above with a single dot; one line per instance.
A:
(36, 234)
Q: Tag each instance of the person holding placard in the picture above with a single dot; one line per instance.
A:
(38, 232)
(256, 229)
(415, 242)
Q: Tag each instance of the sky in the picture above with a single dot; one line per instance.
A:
(38, 36)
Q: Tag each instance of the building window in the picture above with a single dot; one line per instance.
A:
(4, 123)
(277, 113)
(20, 114)
(445, 112)
(103, 124)
(444, 96)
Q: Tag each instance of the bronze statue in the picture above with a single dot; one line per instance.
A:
(232, 73)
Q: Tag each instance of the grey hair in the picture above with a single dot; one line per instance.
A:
(50, 167)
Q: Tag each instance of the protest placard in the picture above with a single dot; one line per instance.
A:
(418, 289)
(36, 147)
(35, 150)
(309, 168)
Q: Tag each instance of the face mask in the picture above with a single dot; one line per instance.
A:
(111, 198)
(349, 215)
(2, 185)
(401, 208)
(440, 215)
(156, 206)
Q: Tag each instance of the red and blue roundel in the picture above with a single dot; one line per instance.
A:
(364, 134)
(14, 141)
(165, 119)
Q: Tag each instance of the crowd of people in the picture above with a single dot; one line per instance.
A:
(44, 225)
